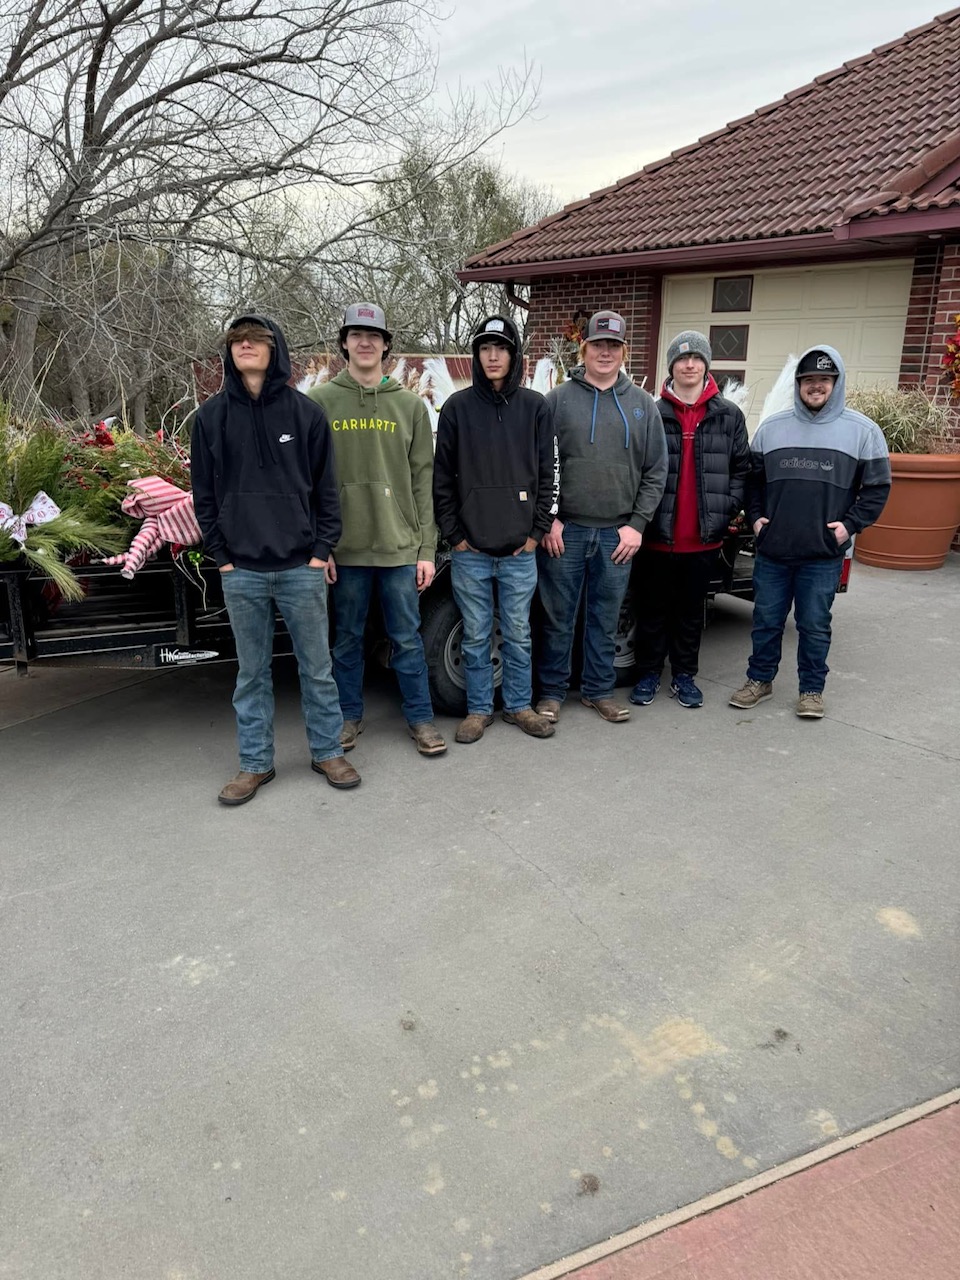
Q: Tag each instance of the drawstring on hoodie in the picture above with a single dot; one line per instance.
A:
(593, 420)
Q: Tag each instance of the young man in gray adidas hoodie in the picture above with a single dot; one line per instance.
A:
(613, 468)
(819, 474)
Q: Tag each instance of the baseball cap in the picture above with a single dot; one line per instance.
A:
(817, 362)
(365, 315)
(606, 324)
(494, 328)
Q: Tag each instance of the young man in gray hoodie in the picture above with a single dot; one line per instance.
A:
(819, 473)
(613, 468)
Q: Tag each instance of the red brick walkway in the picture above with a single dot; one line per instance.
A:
(889, 1210)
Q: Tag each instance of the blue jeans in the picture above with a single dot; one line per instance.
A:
(584, 568)
(808, 585)
(253, 600)
(473, 574)
(400, 602)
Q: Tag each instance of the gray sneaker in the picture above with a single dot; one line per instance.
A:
(810, 706)
(753, 691)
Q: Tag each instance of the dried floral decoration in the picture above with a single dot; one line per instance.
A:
(951, 360)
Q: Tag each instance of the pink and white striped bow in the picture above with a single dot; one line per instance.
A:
(41, 510)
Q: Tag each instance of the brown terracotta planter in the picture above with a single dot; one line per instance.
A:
(921, 515)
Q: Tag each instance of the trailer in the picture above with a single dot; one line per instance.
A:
(172, 614)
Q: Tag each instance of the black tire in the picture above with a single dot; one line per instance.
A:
(442, 630)
(624, 658)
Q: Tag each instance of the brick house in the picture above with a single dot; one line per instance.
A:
(831, 215)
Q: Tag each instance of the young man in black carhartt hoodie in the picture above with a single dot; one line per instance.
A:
(494, 499)
(265, 495)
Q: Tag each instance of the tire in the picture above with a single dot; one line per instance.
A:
(624, 658)
(442, 630)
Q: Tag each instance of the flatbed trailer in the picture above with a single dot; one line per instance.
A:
(172, 615)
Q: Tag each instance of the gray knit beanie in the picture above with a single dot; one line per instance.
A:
(689, 343)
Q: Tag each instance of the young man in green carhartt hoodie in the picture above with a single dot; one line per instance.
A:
(383, 446)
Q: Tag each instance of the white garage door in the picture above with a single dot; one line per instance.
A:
(758, 319)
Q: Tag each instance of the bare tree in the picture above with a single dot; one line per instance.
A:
(165, 123)
(424, 238)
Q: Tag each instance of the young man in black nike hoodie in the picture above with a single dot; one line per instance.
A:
(265, 495)
(494, 499)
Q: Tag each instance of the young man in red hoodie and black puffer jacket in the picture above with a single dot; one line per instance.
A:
(708, 461)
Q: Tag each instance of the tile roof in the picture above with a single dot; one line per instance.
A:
(875, 136)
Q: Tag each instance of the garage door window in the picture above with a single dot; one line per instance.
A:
(729, 341)
(732, 293)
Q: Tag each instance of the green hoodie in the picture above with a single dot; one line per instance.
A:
(383, 446)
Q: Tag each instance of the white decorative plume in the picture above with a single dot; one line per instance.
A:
(315, 374)
(544, 376)
(737, 391)
(780, 396)
(436, 385)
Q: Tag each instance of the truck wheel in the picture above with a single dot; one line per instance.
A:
(624, 658)
(442, 632)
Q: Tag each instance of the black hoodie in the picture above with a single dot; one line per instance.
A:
(264, 486)
(493, 473)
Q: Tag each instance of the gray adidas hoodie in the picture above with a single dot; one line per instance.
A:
(809, 469)
(613, 452)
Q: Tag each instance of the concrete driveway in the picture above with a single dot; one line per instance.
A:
(488, 1009)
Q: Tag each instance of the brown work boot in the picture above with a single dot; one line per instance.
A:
(472, 727)
(538, 726)
(349, 734)
(428, 738)
(810, 706)
(245, 786)
(607, 709)
(549, 708)
(751, 693)
(338, 772)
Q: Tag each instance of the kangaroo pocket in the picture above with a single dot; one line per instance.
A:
(266, 526)
(780, 542)
(373, 520)
(597, 489)
(496, 517)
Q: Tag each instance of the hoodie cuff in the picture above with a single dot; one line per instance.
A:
(321, 551)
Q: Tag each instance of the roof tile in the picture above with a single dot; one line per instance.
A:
(763, 175)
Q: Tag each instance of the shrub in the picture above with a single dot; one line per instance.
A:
(911, 421)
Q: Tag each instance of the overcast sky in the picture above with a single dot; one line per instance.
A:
(626, 83)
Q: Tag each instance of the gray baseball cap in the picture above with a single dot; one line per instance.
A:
(606, 324)
(365, 315)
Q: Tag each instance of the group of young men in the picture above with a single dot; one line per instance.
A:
(575, 493)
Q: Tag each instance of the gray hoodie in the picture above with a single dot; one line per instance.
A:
(808, 470)
(613, 452)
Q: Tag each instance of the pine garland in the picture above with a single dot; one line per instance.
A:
(86, 475)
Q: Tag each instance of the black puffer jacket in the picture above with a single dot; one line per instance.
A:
(722, 452)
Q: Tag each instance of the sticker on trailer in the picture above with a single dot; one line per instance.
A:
(168, 656)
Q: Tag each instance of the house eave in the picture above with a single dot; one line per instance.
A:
(772, 250)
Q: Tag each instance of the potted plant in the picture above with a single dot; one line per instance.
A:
(922, 513)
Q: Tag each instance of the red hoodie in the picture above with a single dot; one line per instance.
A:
(686, 519)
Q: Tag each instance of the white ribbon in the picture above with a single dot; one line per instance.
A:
(40, 511)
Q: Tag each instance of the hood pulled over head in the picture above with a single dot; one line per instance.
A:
(837, 402)
(279, 369)
(508, 332)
